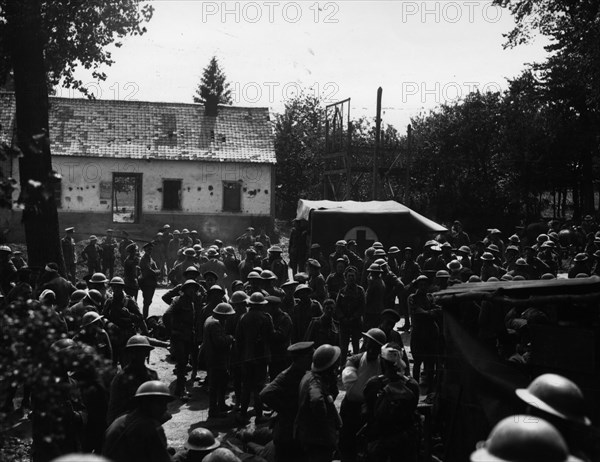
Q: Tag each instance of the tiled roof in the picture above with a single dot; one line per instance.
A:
(149, 130)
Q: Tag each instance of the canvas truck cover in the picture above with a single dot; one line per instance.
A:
(386, 221)
(477, 385)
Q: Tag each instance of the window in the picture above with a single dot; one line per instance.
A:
(232, 196)
(171, 194)
(127, 195)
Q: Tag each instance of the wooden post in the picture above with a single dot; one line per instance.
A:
(375, 190)
(407, 166)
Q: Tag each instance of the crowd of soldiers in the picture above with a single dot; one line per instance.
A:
(279, 334)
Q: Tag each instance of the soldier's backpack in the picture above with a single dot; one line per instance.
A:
(395, 406)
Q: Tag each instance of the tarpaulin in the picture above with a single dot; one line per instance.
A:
(386, 221)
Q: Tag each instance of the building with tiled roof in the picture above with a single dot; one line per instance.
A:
(136, 165)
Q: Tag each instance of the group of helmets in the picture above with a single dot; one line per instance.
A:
(525, 438)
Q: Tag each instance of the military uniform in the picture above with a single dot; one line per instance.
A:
(123, 388)
(68, 248)
(108, 247)
(135, 437)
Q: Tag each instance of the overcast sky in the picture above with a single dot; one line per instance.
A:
(421, 53)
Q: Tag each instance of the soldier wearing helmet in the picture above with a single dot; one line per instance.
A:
(139, 436)
(199, 444)
(253, 335)
(275, 263)
(281, 395)
(189, 259)
(108, 249)
(90, 255)
(357, 371)
(239, 302)
(123, 317)
(523, 438)
(130, 377)
(317, 422)
(215, 265)
(425, 330)
(62, 287)
(216, 343)
(305, 309)
(150, 274)
(350, 307)
(92, 333)
(391, 402)
(561, 402)
(131, 271)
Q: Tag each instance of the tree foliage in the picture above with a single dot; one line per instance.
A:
(77, 34)
(213, 88)
(299, 142)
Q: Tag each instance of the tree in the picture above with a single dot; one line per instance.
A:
(571, 74)
(42, 43)
(299, 143)
(213, 88)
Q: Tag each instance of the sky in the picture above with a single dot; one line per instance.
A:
(422, 53)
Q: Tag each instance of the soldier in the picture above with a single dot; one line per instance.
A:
(149, 275)
(324, 329)
(489, 268)
(239, 302)
(91, 255)
(275, 263)
(123, 244)
(375, 296)
(580, 265)
(253, 334)
(172, 249)
(199, 444)
(245, 241)
(305, 308)
(560, 401)
(247, 265)
(340, 252)
(176, 274)
(130, 377)
(281, 395)
(297, 247)
(389, 319)
(68, 248)
(287, 302)
(316, 281)
(391, 401)
(317, 254)
(457, 236)
(425, 331)
(131, 271)
(282, 335)
(123, 316)
(108, 247)
(139, 436)
(183, 331)
(357, 371)
(59, 285)
(335, 281)
(215, 265)
(216, 343)
(350, 308)
(523, 438)
(92, 301)
(22, 290)
(92, 333)
(317, 423)
(98, 282)
(232, 264)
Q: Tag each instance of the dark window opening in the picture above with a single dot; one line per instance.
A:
(232, 196)
(171, 194)
(127, 197)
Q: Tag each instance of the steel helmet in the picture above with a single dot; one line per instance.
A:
(117, 281)
(192, 269)
(63, 344)
(268, 275)
(224, 308)
(523, 438)
(89, 318)
(556, 395)
(98, 278)
(239, 296)
(324, 357)
(77, 296)
(153, 388)
(257, 299)
(95, 297)
(201, 439)
(377, 335)
(77, 457)
(253, 275)
(138, 341)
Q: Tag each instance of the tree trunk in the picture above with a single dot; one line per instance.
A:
(587, 185)
(40, 217)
